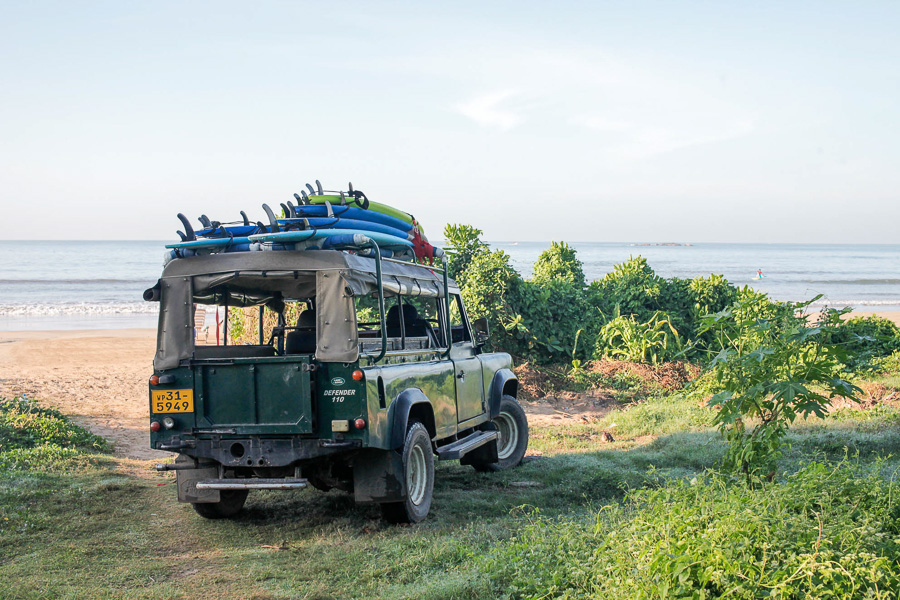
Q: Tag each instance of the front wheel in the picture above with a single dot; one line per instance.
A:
(231, 503)
(513, 440)
(418, 471)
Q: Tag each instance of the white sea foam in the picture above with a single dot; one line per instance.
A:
(837, 303)
(78, 309)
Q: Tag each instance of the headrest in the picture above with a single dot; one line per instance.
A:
(410, 314)
(307, 318)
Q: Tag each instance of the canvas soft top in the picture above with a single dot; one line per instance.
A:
(268, 278)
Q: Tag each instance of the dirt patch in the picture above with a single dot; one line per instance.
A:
(612, 384)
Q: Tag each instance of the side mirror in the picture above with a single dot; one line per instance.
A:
(482, 331)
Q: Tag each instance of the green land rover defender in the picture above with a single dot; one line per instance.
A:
(378, 376)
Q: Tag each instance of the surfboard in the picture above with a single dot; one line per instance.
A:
(352, 212)
(316, 234)
(222, 242)
(377, 207)
(235, 230)
(342, 223)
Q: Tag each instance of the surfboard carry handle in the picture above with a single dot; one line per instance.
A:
(273, 222)
(361, 199)
(188, 230)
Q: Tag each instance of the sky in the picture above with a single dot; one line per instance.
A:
(636, 121)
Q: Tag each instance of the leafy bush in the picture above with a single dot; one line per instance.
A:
(559, 263)
(463, 244)
(652, 342)
(771, 367)
(492, 288)
(826, 531)
(867, 338)
(632, 288)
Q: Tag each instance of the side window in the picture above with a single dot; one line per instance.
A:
(458, 327)
(412, 322)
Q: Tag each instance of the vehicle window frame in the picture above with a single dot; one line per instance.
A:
(467, 327)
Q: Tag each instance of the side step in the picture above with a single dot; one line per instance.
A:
(460, 448)
(252, 484)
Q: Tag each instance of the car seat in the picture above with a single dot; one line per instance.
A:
(303, 339)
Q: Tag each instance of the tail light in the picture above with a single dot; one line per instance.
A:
(359, 423)
(154, 426)
(154, 380)
(358, 375)
(168, 423)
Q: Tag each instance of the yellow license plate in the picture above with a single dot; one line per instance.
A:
(172, 401)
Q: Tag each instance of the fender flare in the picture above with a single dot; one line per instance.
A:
(399, 417)
(502, 379)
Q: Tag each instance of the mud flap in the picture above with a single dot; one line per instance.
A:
(187, 479)
(378, 477)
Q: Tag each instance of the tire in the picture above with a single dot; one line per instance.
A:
(418, 471)
(231, 503)
(513, 440)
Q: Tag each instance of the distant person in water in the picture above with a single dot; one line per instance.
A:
(759, 274)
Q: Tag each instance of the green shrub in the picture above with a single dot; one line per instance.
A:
(632, 288)
(867, 338)
(463, 244)
(771, 367)
(559, 263)
(826, 531)
(625, 338)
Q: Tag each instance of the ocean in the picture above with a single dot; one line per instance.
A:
(98, 285)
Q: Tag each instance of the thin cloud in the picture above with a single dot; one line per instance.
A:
(488, 110)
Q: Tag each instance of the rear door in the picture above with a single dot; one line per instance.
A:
(254, 395)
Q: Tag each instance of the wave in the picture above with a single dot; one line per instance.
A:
(836, 303)
(851, 281)
(83, 281)
(78, 309)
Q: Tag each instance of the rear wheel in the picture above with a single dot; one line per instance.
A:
(231, 503)
(418, 471)
(513, 440)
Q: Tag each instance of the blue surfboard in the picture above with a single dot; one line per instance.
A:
(343, 223)
(356, 237)
(223, 242)
(352, 212)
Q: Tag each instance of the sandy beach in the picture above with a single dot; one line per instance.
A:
(99, 377)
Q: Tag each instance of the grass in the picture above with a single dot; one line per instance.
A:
(75, 522)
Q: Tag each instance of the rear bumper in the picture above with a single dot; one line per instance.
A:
(252, 484)
(258, 452)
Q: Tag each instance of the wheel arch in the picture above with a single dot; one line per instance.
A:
(411, 403)
(504, 383)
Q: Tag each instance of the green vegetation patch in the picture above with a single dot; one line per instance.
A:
(829, 530)
(33, 437)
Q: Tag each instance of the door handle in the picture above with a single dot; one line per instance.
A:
(461, 375)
